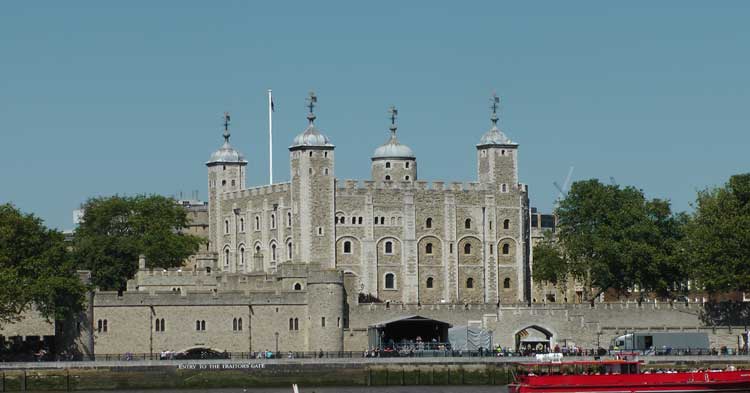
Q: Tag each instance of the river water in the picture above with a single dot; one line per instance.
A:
(372, 389)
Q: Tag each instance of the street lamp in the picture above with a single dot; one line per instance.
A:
(277, 341)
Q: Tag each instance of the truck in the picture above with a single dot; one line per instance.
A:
(662, 343)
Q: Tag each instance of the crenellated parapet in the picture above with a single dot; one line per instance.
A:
(256, 191)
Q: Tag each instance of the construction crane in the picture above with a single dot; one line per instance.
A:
(564, 188)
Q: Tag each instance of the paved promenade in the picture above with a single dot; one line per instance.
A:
(349, 362)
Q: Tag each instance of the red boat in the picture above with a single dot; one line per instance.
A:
(623, 376)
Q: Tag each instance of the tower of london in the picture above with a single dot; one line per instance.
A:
(402, 239)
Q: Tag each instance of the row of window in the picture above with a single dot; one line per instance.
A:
(228, 230)
(389, 281)
(241, 257)
(388, 178)
(388, 165)
(428, 248)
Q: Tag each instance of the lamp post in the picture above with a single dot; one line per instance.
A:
(277, 341)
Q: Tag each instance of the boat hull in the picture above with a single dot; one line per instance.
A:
(728, 381)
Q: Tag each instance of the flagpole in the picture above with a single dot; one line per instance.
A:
(270, 137)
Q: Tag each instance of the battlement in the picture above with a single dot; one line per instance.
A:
(352, 186)
(173, 272)
(198, 298)
(255, 191)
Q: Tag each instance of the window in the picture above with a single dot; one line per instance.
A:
(393, 220)
(389, 247)
(406, 165)
(359, 220)
(289, 250)
(257, 249)
(232, 182)
(291, 323)
(239, 324)
(242, 225)
(323, 321)
(429, 282)
(467, 223)
(226, 226)
(226, 257)
(273, 252)
(296, 324)
(325, 171)
(311, 154)
(469, 283)
(467, 249)
(320, 231)
(354, 220)
(406, 177)
(223, 182)
(387, 164)
(325, 154)
(200, 325)
(257, 223)
(289, 219)
(338, 322)
(450, 248)
(297, 286)
(382, 220)
(347, 247)
(242, 255)
(387, 177)
(101, 326)
(273, 221)
(428, 249)
(160, 325)
(492, 249)
(506, 283)
(390, 281)
(428, 223)
(506, 249)
(506, 224)
(504, 188)
(234, 324)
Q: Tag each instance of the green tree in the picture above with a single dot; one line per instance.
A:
(550, 265)
(116, 230)
(616, 239)
(718, 237)
(36, 269)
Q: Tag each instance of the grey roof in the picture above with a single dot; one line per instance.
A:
(227, 154)
(495, 137)
(311, 136)
(393, 149)
(414, 318)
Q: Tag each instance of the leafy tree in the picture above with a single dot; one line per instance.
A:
(116, 230)
(614, 238)
(718, 237)
(550, 265)
(36, 269)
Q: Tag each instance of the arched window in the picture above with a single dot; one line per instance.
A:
(467, 248)
(354, 220)
(226, 226)
(428, 249)
(257, 249)
(506, 283)
(234, 324)
(163, 326)
(387, 177)
(469, 282)
(273, 221)
(347, 247)
(198, 325)
(239, 324)
(505, 188)
(289, 250)
(429, 283)
(203, 325)
(273, 252)
(226, 257)
(359, 220)
(506, 224)
(406, 165)
(242, 225)
(406, 177)
(467, 223)
(390, 281)
(387, 164)
(296, 323)
(289, 219)
(492, 249)
(428, 223)
(257, 223)
(382, 220)
(506, 249)
(297, 286)
(242, 255)
(291, 323)
(388, 247)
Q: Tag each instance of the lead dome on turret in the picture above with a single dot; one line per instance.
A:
(311, 136)
(393, 148)
(495, 137)
(226, 153)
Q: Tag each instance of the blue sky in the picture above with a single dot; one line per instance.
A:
(99, 98)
